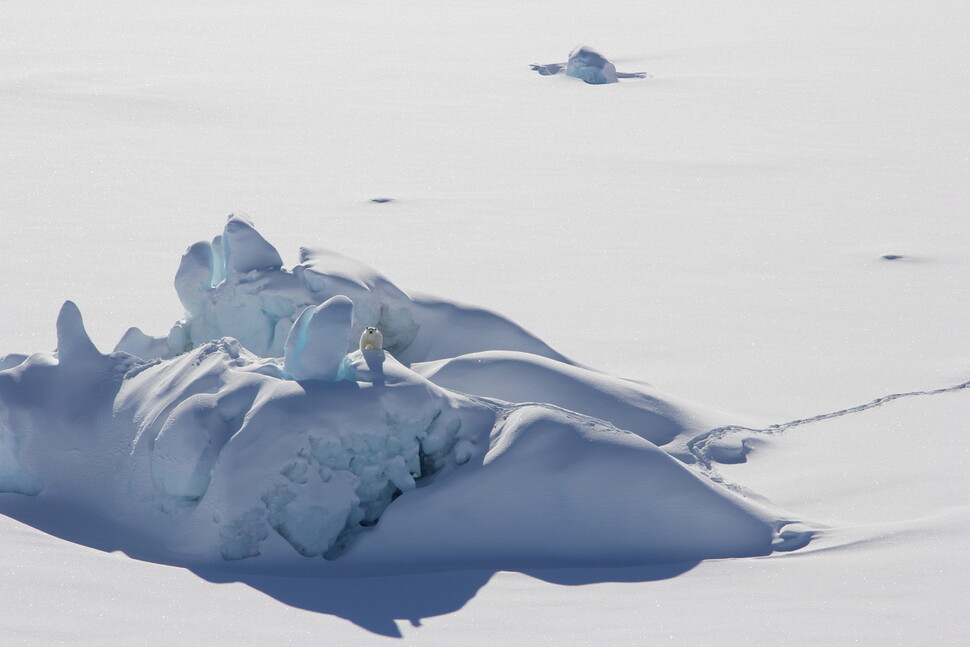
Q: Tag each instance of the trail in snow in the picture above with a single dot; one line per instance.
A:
(707, 449)
(258, 429)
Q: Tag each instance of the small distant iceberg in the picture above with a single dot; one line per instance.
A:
(587, 64)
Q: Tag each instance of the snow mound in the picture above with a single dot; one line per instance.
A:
(522, 377)
(214, 451)
(256, 430)
(560, 489)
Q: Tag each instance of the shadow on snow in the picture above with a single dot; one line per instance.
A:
(373, 603)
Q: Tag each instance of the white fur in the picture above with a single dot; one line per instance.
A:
(371, 339)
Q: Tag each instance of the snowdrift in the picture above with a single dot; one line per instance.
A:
(257, 432)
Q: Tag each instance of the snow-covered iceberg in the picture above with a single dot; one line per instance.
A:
(258, 430)
(588, 65)
(235, 286)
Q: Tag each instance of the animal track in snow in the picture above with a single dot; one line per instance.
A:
(707, 450)
(713, 447)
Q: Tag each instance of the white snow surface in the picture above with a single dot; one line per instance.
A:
(770, 229)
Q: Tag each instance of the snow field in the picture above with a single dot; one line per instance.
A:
(730, 215)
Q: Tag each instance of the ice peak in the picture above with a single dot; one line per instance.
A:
(195, 276)
(589, 65)
(319, 340)
(245, 248)
(73, 342)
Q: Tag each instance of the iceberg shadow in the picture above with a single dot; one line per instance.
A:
(377, 603)
(373, 602)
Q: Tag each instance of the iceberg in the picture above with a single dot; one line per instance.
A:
(588, 65)
(257, 431)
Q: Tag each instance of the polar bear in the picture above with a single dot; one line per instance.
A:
(371, 339)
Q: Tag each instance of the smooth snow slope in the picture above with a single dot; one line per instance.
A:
(717, 230)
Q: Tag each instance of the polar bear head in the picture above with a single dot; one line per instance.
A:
(371, 339)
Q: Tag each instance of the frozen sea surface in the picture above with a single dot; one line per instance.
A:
(772, 224)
